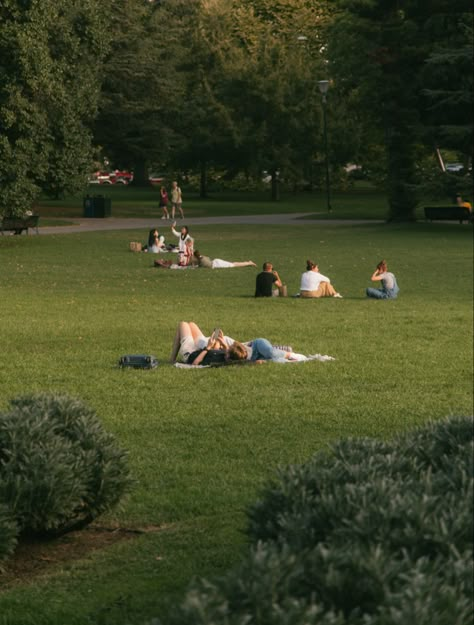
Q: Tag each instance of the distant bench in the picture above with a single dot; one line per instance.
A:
(18, 224)
(451, 212)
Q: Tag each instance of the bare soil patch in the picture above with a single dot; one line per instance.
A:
(33, 558)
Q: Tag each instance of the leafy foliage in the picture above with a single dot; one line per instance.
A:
(59, 469)
(8, 534)
(374, 532)
(50, 55)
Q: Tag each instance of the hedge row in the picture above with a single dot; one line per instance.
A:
(372, 533)
(59, 468)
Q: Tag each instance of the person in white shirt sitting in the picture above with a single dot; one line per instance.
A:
(314, 284)
(389, 288)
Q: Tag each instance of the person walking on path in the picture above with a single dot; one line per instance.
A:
(176, 200)
(265, 281)
(164, 202)
(314, 284)
(389, 288)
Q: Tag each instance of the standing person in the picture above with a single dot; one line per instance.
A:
(314, 284)
(265, 281)
(185, 244)
(218, 263)
(164, 202)
(176, 200)
(389, 288)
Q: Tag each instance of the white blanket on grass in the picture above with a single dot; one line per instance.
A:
(301, 358)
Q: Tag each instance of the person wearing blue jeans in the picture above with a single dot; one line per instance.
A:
(262, 349)
(389, 288)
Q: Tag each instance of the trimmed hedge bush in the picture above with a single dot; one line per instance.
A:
(8, 534)
(59, 468)
(372, 533)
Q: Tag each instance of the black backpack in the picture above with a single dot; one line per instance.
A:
(138, 361)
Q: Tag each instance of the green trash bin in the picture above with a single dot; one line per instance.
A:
(97, 206)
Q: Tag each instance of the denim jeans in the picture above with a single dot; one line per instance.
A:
(264, 350)
(384, 293)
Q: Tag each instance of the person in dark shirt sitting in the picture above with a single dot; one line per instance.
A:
(190, 347)
(265, 281)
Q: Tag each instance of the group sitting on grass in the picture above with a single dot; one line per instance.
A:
(268, 283)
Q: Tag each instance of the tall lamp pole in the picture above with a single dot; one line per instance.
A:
(323, 88)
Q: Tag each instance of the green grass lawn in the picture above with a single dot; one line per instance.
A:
(202, 442)
(358, 203)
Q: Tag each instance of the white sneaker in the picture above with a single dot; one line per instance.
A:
(338, 295)
(164, 217)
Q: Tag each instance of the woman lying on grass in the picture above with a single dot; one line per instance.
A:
(218, 263)
(191, 347)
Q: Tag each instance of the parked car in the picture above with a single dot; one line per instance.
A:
(156, 179)
(454, 168)
(107, 177)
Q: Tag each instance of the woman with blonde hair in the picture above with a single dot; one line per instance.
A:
(314, 284)
(191, 347)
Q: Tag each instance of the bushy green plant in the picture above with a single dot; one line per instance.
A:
(59, 468)
(373, 533)
(8, 534)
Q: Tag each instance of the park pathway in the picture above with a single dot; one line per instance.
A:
(113, 223)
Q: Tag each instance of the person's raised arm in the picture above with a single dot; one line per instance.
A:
(375, 276)
(277, 282)
(176, 234)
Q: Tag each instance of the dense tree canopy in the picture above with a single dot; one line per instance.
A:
(232, 84)
(50, 57)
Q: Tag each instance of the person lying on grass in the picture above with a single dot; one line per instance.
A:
(389, 288)
(218, 263)
(190, 346)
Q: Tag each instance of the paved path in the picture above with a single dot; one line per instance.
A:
(112, 223)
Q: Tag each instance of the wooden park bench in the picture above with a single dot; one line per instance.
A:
(18, 224)
(453, 212)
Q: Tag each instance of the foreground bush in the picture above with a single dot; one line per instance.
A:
(59, 469)
(8, 534)
(373, 533)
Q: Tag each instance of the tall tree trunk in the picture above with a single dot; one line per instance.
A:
(140, 174)
(203, 181)
(275, 185)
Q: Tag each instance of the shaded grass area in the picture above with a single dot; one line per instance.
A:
(202, 442)
(133, 202)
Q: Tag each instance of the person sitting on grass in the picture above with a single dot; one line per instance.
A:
(218, 263)
(156, 242)
(389, 289)
(266, 280)
(314, 284)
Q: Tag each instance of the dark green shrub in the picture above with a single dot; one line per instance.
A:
(8, 534)
(373, 533)
(59, 468)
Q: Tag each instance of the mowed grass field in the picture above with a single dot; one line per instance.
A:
(359, 202)
(202, 442)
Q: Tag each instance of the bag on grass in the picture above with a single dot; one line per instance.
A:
(138, 361)
(135, 246)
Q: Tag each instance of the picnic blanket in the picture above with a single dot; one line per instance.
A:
(320, 357)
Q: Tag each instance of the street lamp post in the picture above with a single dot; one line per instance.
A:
(323, 88)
